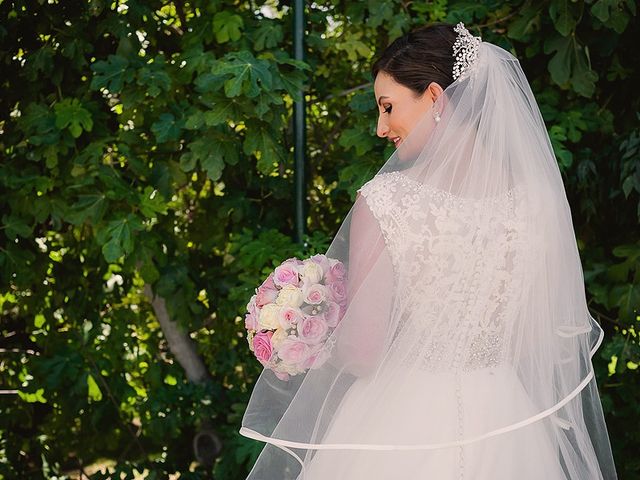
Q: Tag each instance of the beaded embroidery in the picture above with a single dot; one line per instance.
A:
(453, 319)
(465, 49)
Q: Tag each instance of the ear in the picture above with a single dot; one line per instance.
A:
(434, 90)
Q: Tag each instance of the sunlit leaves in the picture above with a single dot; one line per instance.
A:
(37, 396)
(93, 390)
(354, 47)
(227, 26)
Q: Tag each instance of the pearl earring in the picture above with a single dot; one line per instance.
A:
(436, 116)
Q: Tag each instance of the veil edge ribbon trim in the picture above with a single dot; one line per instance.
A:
(283, 444)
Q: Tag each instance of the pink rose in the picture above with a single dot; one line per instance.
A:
(287, 273)
(332, 314)
(293, 351)
(315, 294)
(251, 306)
(265, 295)
(262, 348)
(290, 316)
(316, 360)
(312, 329)
(336, 273)
(338, 292)
(250, 321)
(269, 282)
(281, 375)
(294, 260)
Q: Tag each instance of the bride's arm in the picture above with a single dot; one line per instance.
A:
(369, 290)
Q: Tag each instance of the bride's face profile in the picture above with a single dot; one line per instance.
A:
(400, 108)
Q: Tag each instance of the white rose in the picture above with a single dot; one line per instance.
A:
(311, 272)
(278, 336)
(289, 296)
(269, 316)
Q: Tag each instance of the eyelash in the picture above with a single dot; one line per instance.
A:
(388, 109)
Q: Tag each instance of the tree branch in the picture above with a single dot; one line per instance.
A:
(180, 344)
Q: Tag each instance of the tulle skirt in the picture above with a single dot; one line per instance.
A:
(425, 407)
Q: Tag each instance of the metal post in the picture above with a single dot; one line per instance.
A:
(299, 128)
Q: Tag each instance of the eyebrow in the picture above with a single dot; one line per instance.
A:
(381, 97)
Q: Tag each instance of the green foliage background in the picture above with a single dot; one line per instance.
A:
(147, 144)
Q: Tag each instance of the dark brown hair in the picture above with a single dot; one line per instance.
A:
(420, 57)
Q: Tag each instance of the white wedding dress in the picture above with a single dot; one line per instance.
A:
(445, 396)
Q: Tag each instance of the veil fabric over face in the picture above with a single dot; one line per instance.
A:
(466, 321)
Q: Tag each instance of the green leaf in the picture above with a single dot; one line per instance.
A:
(601, 8)
(72, 115)
(571, 64)
(152, 203)
(211, 155)
(111, 74)
(39, 125)
(355, 48)
(166, 128)
(39, 321)
(260, 142)
(38, 396)
(90, 206)
(267, 35)
(117, 238)
(362, 102)
(15, 226)
(560, 65)
(93, 390)
(155, 78)
(222, 110)
(564, 16)
(248, 74)
(527, 22)
(357, 138)
(557, 135)
(227, 26)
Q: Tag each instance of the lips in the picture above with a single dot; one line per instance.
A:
(396, 141)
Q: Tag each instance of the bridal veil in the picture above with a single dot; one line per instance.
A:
(461, 260)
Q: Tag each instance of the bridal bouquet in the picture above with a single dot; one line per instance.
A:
(294, 311)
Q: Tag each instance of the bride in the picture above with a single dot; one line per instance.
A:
(465, 348)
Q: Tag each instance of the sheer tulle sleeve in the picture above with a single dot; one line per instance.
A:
(371, 275)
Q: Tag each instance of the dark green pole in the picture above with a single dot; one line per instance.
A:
(299, 128)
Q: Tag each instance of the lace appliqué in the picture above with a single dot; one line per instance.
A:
(455, 317)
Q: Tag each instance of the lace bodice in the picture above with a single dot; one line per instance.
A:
(456, 266)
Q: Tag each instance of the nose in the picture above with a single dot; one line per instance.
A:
(382, 129)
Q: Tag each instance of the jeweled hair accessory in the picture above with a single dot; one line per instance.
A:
(465, 49)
